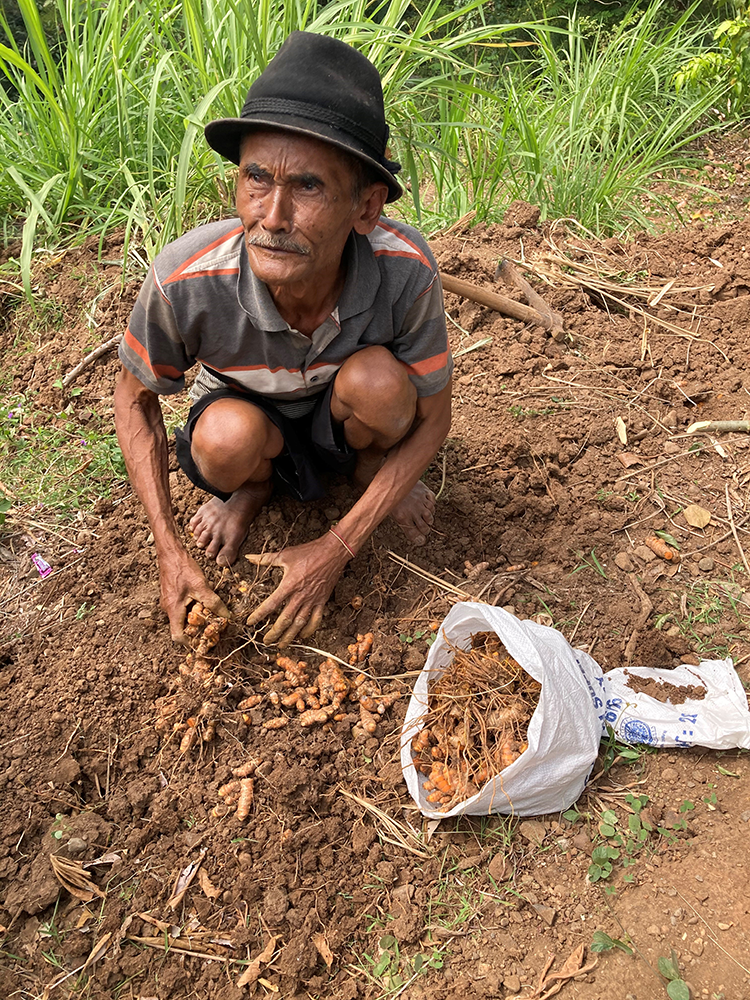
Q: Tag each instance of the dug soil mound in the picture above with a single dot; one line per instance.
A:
(564, 458)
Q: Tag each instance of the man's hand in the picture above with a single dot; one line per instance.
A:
(181, 582)
(311, 571)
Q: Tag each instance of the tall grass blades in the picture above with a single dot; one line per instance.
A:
(102, 127)
(581, 128)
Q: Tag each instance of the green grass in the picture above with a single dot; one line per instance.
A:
(52, 462)
(103, 129)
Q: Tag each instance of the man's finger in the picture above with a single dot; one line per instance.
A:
(264, 558)
(287, 625)
(271, 604)
(297, 625)
(215, 604)
(315, 619)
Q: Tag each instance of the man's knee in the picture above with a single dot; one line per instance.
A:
(233, 438)
(375, 389)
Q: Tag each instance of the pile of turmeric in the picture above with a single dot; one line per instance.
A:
(323, 698)
(477, 720)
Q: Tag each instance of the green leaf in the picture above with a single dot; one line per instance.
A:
(383, 962)
(601, 942)
(729, 774)
(634, 824)
(571, 815)
(686, 806)
(669, 539)
(609, 817)
(678, 990)
(417, 962)
(667, 968)
(606, 831)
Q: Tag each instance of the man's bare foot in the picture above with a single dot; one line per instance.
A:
(415, 513)
(220, 527)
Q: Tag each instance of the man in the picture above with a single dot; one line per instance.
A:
(320, 331)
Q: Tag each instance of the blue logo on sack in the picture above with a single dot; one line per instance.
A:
(635, 731)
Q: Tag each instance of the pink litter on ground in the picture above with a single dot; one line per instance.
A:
(44, 567)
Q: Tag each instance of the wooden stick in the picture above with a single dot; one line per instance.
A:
(485, 297)
(551, 320)
(734, 528)
(719, 427)
(92, 356)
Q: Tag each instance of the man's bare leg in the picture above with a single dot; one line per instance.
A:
(233, 444)
(375, 401)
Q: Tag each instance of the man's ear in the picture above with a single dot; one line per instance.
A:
(370, 208)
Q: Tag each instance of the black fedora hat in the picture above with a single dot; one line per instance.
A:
(321, 87)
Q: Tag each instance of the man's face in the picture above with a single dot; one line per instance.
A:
(294, 198)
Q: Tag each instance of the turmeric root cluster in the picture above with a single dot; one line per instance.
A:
(321, 700)
(238, 793)
(204, 630)
(192, 712)
(476, 724)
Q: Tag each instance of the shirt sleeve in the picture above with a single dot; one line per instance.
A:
(152, 349)
(422, 342)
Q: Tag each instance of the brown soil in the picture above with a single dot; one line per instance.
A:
(529, 478)
(664, 691)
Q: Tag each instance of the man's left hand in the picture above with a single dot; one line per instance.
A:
(311, 571)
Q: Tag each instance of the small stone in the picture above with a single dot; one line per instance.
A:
(706, 564)
(696, 947)
(332, 513)
(498, 868)
(745, 816)
(145, 613)
(150, 538)
(76, 846)
(672, 448)
(702, 895)
(582, 842)
(670, 419)
(624, 562)
(512, 983)
(547, 913)
(724, 927)
(652, 930)
(533, 830)
(644, 553)
(669, 774)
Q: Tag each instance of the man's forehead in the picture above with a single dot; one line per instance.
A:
(311, 153)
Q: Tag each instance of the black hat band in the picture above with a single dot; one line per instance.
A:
(316, 113)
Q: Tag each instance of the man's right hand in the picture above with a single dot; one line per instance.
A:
(182, 582)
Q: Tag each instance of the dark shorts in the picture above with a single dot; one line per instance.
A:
(312, 445)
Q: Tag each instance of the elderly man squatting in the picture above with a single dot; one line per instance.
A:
(320, 332)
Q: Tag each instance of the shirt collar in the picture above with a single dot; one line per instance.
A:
(360, 286)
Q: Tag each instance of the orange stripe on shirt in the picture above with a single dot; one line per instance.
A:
(158, 371)
(176, 275)
(417, 252)
(433, 364)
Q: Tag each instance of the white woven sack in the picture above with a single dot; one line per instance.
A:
(719, 720)
(564, 731)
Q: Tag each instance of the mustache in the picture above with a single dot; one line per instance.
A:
(277, 243)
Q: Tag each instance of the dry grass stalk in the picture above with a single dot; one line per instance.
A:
(476, 723)
(395, 833)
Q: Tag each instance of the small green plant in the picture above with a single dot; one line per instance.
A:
(421, 633)
(603, 942)
(590, 561)
(677, 988)
(395, 971)
(728, 66)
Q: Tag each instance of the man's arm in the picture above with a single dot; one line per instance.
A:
(143, 440)
(311, 571)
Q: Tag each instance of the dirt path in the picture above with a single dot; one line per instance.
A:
(533, 475)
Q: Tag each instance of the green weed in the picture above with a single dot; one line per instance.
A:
(603, 942)
(590, 561)
(677, 988)
(394, 972)
(53, 462)
(421, 633)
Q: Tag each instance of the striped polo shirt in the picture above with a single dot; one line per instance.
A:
(202, 304)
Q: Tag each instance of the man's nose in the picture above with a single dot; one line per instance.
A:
(278, 210)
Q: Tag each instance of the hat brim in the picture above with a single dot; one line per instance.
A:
(224, 135)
